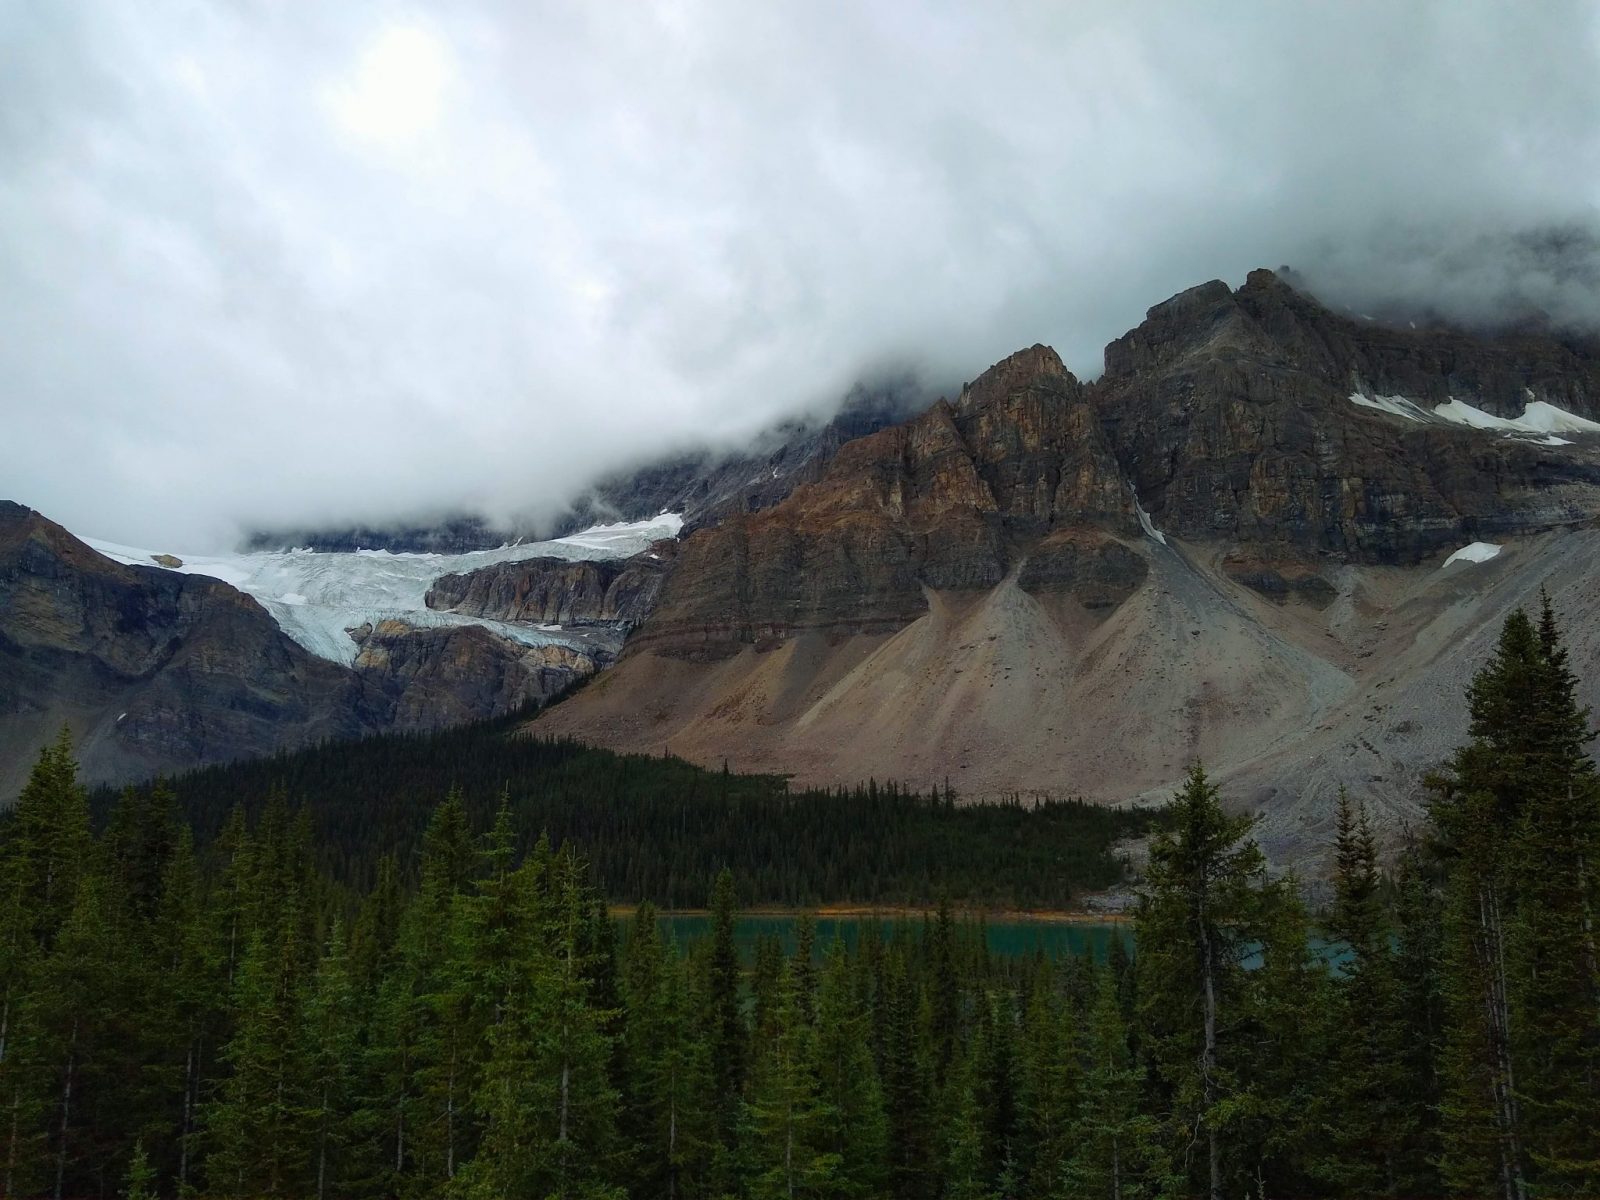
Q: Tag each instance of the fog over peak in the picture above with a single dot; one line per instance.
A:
(288, 265)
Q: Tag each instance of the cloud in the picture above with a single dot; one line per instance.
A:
(268, 265)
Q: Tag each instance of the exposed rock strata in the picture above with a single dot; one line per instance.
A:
(975, 595)
(1230, 413)
(559, 591)
(157, 671)
(431, 678)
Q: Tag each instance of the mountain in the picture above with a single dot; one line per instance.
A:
(1271, 536)
(702, 485)
(1229, 546)
(159, 664)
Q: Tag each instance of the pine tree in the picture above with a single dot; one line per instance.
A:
(1368, 1120)
(783, 1116)
(257, 1128)
(1047, 1098)
(1418, 955)
(329, 1029)
(669, 1105)
(140, 1183)
(81, 1010)
(1116, 1153)
(1281, 1055)
(725, 1019)
(1478, 805)
(851, 1126)
(966, 1175)
(545, 1100)
(1198, 918)
(907, 1085)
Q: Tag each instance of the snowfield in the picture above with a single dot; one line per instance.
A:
(316, 598)
(1477, 552)
(1539, 419)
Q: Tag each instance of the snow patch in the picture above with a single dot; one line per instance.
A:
(1539, 418)
(1478, 552)
(1397, 406)
(1145, 522)
(316, 598)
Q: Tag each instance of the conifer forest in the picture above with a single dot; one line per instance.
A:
(391, 969)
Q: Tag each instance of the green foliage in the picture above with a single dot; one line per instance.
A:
(658, 828)
(1517, 815)
(273, 1000)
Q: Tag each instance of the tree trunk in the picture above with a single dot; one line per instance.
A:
(1208, 1063)
(188, 1114)
(66, 1109)
(322, 1149)
(11, 1145)
(450, 1117)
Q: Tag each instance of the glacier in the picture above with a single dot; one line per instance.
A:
(317, 597)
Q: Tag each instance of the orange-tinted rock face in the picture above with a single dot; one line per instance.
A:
(953, 500)
(1227, 414)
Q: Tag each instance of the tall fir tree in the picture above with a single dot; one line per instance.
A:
(1116, 1151)
(1198, 919)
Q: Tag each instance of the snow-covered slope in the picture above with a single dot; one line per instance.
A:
(317, 597)
(1539, 419)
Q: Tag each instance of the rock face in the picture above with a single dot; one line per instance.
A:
(1014, 477)
(153, 669)
(1212, 551)
(1230, 412)
(556, 591)
(157, 671)
(430, 678)
(1230, 547)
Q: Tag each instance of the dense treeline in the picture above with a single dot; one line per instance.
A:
(660, 828)
(220, 1024)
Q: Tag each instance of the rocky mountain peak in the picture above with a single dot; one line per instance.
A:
(1038, 364)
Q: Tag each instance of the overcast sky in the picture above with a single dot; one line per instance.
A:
(268, 263)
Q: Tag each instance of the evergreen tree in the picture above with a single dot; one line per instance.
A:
(258, 1129)
(1116, 1153)
(724, 1016)
(1478, 805)
(783, 1136)
(851, 1127)
(1047, 1098)
(545, 1099)
(1197, 922)
(966, 1175)
(328, 1027)
(1368, 1122)
(907, 1082)
(1555, 972)
(140, 1183)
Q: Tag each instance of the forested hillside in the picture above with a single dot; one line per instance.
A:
(657, 828)
(230, 1022)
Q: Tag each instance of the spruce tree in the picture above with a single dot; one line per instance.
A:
(1116, 1153)
(1478, 806)
(328, 1028)
(1047, 1098)
(1367, 1119)
(851, 1126)
(1198, 920)
(1555, 984)
(725, 1027)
